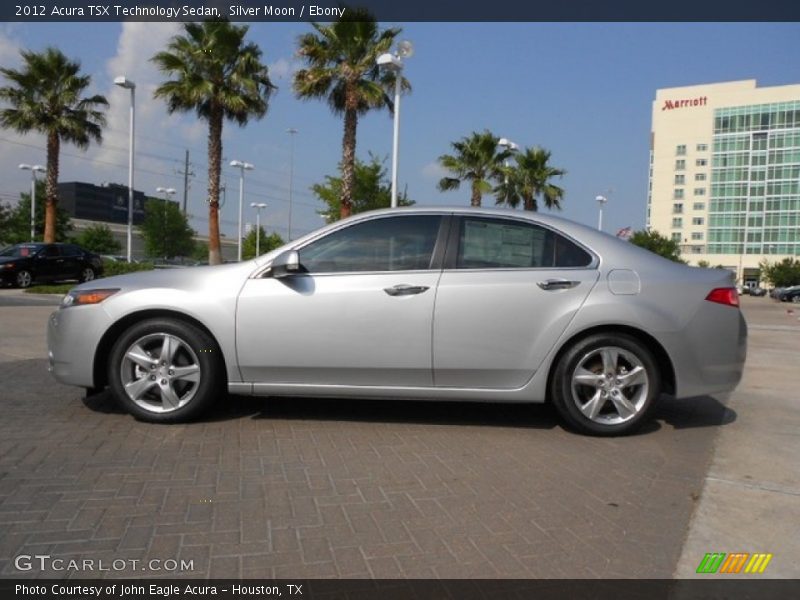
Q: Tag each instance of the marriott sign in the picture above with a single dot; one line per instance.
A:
(673, 104)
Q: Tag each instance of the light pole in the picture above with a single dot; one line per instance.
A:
(601, 200)
(292, 132)
(33, 169)
(129, 85)
(394, 63)
(510, 147)
(242, 166)
(258, 206)
(167, 193)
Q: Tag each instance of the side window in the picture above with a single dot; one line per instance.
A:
(70, 250)
(400, 243)
(502, 244)
(569, 254)
(51, 252)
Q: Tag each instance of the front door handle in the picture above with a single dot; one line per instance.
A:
(404, 289)
(557, 284)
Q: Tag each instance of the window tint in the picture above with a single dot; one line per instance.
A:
(499, 244)
(389, 244)
(70, 250)
(51, 251)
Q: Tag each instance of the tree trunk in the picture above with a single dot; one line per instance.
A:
(349, 152)
(214, 166)
(530, 202)
(51, 188)
(476, 194)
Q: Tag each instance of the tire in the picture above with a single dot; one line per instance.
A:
(87, 274)
(23, 279)
(590, 401)
(178, 391)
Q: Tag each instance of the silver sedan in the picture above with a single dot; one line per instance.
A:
(444, 304)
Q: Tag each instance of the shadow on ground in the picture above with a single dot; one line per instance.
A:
(702, 411)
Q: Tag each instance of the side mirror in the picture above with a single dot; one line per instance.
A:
(286, 264)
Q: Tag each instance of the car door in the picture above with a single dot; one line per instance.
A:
(72, 262)
(508, 290)
(48, 262)
(361, 313)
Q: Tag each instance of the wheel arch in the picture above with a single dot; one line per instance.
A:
(103, 351)
(664, 362)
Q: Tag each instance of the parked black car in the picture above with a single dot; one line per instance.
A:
(790, 294)
(22, 264)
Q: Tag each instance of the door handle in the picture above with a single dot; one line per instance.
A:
(557, 284)
(404, 289)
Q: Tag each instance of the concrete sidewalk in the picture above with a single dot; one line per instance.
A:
(751, 495)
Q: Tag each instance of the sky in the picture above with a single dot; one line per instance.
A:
(583, 91)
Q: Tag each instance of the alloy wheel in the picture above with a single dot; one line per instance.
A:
(160, 372)
(24, 279)
(610, 385)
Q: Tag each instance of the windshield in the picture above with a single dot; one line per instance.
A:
(20, 250)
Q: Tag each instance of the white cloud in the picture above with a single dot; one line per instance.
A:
(283, 69)
(433, 170)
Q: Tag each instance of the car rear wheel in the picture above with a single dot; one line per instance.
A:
(87, 274)
(23, 279)
(606, 384)
(166, 371)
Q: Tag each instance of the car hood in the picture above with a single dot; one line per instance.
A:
(188, 278)
(11, 259)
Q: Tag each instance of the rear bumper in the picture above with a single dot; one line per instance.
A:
(710, 353)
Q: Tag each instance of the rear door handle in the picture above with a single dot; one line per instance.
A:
(557, 284)
(404, 289)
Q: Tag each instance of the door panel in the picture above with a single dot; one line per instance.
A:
(331, 329)
(492, 329)
(509, 289)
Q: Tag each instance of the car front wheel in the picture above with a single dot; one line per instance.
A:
(606, 384)
(24, 279)
(87, 274)
(164, 370)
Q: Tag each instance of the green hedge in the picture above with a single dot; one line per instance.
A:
(111, 268)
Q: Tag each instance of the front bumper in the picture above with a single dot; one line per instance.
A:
(73, 335)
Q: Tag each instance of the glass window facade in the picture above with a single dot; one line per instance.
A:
(754, 204)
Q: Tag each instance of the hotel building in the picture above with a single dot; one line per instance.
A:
(725, 173)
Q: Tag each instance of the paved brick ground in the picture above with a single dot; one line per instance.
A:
(321, 488)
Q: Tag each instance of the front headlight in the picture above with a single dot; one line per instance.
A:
(6, 266)
(84, 297)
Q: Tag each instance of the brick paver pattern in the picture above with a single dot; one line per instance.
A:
(355, 489)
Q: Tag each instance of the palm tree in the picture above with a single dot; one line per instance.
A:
(477, 159)
(341, 68)
(219, 76)
(530, 179)
(45, 96)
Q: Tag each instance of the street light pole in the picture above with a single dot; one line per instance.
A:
(601, 200)
(129, 85)
(258, 206)
(242, 166)
(291, 131)
(33, 169)
(167, 193)
(394, 63)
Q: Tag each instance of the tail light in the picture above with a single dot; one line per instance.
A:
(727, 295)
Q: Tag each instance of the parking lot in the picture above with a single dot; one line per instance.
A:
(326, 488)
